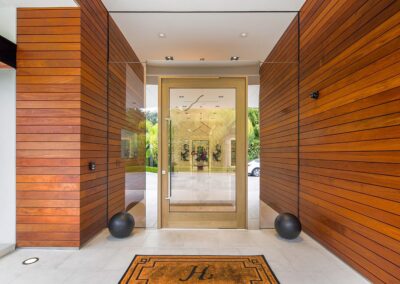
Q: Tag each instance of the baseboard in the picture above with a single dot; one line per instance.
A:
(6, 249)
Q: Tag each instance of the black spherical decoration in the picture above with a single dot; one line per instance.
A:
(121, 225)
(288, 226)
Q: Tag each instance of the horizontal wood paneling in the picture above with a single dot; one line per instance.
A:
(279, 124)
(48, 128)
(349, 138)
(94, 21)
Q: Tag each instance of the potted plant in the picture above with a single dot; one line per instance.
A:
(201, 157)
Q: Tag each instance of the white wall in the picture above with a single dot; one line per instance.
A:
(7, 135)
(7, 154)
(8, 22)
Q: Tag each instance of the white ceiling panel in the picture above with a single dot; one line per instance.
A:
(213, 36)
(203, 5)
(38, 3)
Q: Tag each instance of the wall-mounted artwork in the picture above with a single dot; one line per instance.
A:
(129, 144)
(217, 153)
(185, 153)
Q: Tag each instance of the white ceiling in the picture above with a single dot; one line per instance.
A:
(203, 5)
(213, 36)
(38, 3)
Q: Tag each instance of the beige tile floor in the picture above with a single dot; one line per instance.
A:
(104, 259)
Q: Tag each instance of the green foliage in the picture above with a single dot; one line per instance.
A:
(151, 139)
(152, 116)
(253, 133)
(152, 169)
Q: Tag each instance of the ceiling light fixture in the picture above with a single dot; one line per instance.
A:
(162, 35)
(243, 34)
(235, 58)
(169, 58)
(31, 260)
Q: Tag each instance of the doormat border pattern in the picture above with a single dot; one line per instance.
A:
(274, 280)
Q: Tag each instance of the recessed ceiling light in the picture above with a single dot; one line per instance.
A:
(169, 58)
(235, 58)
(243, 34)
(31, 260)
(162, 35)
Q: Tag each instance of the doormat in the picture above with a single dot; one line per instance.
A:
(158, 269)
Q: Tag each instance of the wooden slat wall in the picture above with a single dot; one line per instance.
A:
(62, 123)
(119, 88)
(94, 22)
(349, 137)
(279, 121)
(48, 127)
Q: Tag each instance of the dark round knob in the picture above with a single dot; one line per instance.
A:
(121, 225)
(288, 226)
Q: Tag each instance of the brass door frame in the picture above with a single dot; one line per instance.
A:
(237, 219)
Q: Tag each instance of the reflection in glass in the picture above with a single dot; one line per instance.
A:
(129, 144)
(202, 149)
(133, 147)
(127, 141)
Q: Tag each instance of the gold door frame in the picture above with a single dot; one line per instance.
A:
(202, 219)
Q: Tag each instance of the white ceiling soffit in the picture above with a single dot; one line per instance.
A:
(203, 5)
(213, 36)
(38, 3)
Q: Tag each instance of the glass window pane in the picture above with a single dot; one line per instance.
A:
(202, 149)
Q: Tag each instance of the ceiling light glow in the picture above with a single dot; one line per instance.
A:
(243, 34)
(162, 35)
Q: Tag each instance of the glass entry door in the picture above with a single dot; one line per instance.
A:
(203, 152)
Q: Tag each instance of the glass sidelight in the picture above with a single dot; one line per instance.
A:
(203, 170)
(126, 141)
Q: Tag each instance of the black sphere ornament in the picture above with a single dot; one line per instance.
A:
(121, 225)
(288, 226)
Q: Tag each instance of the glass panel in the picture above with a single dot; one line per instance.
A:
(152, 152)
(253, 154)
(127, 141)
(202, 149)
(279, 95)
(133, 146)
